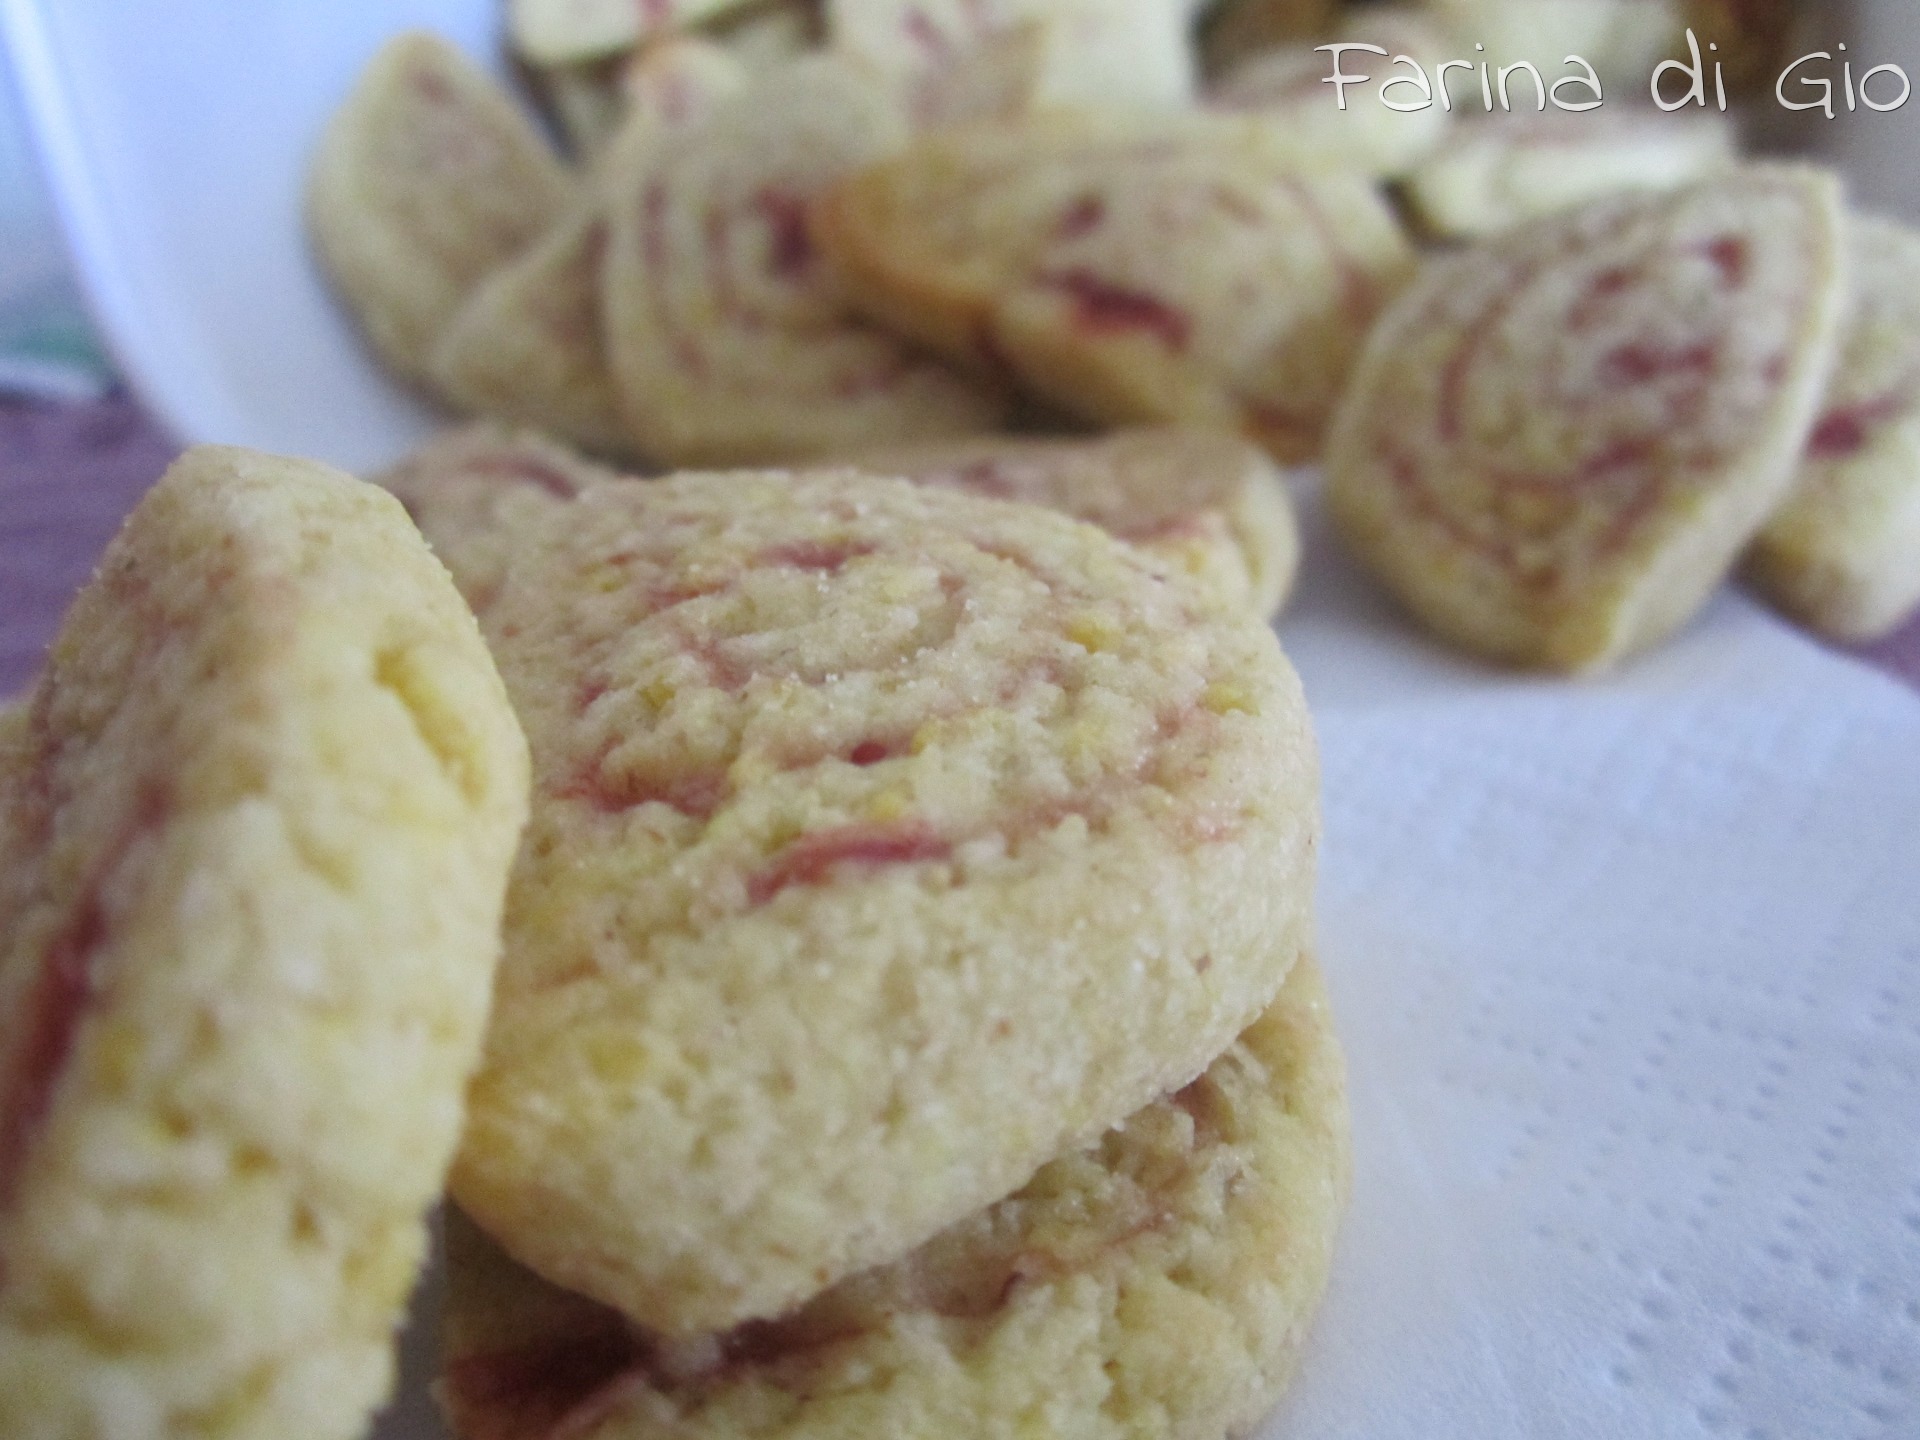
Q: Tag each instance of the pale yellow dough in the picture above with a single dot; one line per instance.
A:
(1157, 1285)
(887, 841)
(1843, 554)
(254, 838)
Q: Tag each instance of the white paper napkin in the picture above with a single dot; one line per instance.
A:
(1629, 977)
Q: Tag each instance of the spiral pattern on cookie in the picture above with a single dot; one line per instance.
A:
(885, 840)
(1558, 441)
(727, 334)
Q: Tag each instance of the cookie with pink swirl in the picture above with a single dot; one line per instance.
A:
(1172, 269)
(730, 340)
(527, 345)
(1158, 1283)
(1211, 505)
(886, 843)
(1843, 554)
(255, 827)
(1558, 442)
(427, 179)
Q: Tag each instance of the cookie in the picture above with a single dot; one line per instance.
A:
(1210, 505)
(564, 32)
(428, 178)
(1159, 1283)
(1623, 40)
(527, 346)
(766, 35)
(886, 842)
(1064, 52)
(729, 339)
(1843, 554)
(1558, 441)
(466, 488)
(583, 101)
(254, 837)
(1288, 87)
(1501, 170)
(1169, 270)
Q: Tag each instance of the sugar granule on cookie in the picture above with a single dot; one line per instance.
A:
(254, 836)
(887, 841)
(1558, 442)
(1158, 1283)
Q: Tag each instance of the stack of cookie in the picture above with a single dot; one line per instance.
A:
(906, 1019)
(907, 1023)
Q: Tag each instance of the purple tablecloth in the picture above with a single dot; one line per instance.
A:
(69, 472)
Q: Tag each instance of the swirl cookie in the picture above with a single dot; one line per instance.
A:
(1170, 271)
(1502, 170)
(887, 842)
(1212, 506)
(565, 32)
(1288, 88)
(466, 488)
(729, 339)
(1843, 554)
(1157, 1284)
(254, 836)
(1559, 441)
(527, 346)
(1089, 52)
(428, 178)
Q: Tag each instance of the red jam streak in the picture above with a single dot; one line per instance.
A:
(790, 246)
(1845, 432)
(1082, 218)
(52, 1010)
(812, 859)
(1103, 308)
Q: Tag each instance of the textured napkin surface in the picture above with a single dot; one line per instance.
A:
(1629, 975)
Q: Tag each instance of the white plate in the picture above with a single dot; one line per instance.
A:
(1628, 971)
(174, 135)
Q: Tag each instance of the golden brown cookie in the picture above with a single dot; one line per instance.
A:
(1559, 440)
(1158, 1283)
(1843, 554)
(1172, 270)
(887, 841)
(427, 179)
(254, 837)
(730, 340)
(1211, 505)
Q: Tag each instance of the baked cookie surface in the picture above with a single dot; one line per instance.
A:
(1212, 505)
(1843, 554)
(1499, 171)
(728, 337)
(1559, 441)
(427, 178)
(1179, 269)
(1156, 1284)
(886, 842)
(254, 837)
